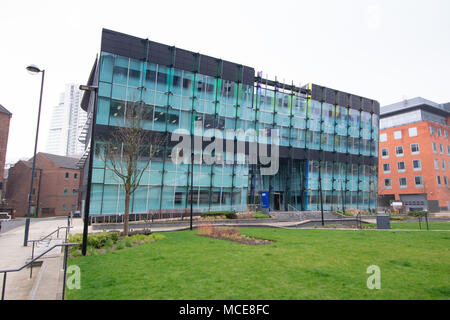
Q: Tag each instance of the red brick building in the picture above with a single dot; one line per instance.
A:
(414, 160)
(5, 117)
(55, 187)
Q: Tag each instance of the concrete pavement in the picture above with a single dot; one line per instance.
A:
(14, 255)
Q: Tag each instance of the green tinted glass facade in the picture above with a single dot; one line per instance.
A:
(314, 135)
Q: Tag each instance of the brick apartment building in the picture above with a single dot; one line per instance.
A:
(414, 161)
(5, 117)
(55, 190)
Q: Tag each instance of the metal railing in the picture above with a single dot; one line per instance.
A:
(65, 245)
(358, 221)
(50, 234)
(292, 207)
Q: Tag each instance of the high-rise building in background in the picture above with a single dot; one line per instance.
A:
(328, 139)
(414, 162)
(66, 124)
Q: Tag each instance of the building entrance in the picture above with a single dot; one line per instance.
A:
(277, 201)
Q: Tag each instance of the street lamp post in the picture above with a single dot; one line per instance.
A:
(91, 160)
(33, 70)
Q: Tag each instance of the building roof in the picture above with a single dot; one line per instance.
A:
(29, 164)
(414, 104)
(61, 161)
(4, 110)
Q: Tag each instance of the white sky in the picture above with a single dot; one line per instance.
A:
(384, 50)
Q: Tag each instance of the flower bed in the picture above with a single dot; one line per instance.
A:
(100, 243)
(228, 233)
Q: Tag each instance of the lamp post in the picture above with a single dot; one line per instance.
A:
(32, 69)
(91, 160)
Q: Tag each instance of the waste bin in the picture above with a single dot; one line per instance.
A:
(383, 221)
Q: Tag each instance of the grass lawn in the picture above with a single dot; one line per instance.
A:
(302, 264)
(415, 225)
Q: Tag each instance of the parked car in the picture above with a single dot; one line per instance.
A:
(76, 214)
(4, 216)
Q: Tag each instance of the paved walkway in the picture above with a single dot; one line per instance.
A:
(13, 255)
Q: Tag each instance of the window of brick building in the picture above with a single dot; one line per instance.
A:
(436, 164)
(388, 183)
(417, 166)
(415, 148)
(418, 181)
(402, 182)
(412, 132)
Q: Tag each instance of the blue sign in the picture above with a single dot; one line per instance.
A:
(265, 199)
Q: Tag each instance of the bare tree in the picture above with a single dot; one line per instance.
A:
(129, 150)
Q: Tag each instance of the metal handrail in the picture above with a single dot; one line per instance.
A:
(51, 233)
(5, 272)
(57, 230)
(295, 209)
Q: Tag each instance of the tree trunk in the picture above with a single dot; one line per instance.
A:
(126, 214)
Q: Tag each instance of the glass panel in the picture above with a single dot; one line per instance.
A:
(354, 118)
(120, 73)
(140, 200)
(96, 199)
(328, 118)
(106, 66)
(341, 120)
(110, 196)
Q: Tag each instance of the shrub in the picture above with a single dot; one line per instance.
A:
(400, 218)
(76, 253)
(109, 243)
(215, 213)
(96, 240)
(231, 215)
(120, 245)
(90, 250)
(128, 242)
(156, 236)
(417, 214)
(219, 232)
(260, 215)
(107, 240)
(205, 229)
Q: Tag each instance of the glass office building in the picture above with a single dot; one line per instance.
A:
(328, 139)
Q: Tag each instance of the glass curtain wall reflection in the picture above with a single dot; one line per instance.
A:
(173, 98)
